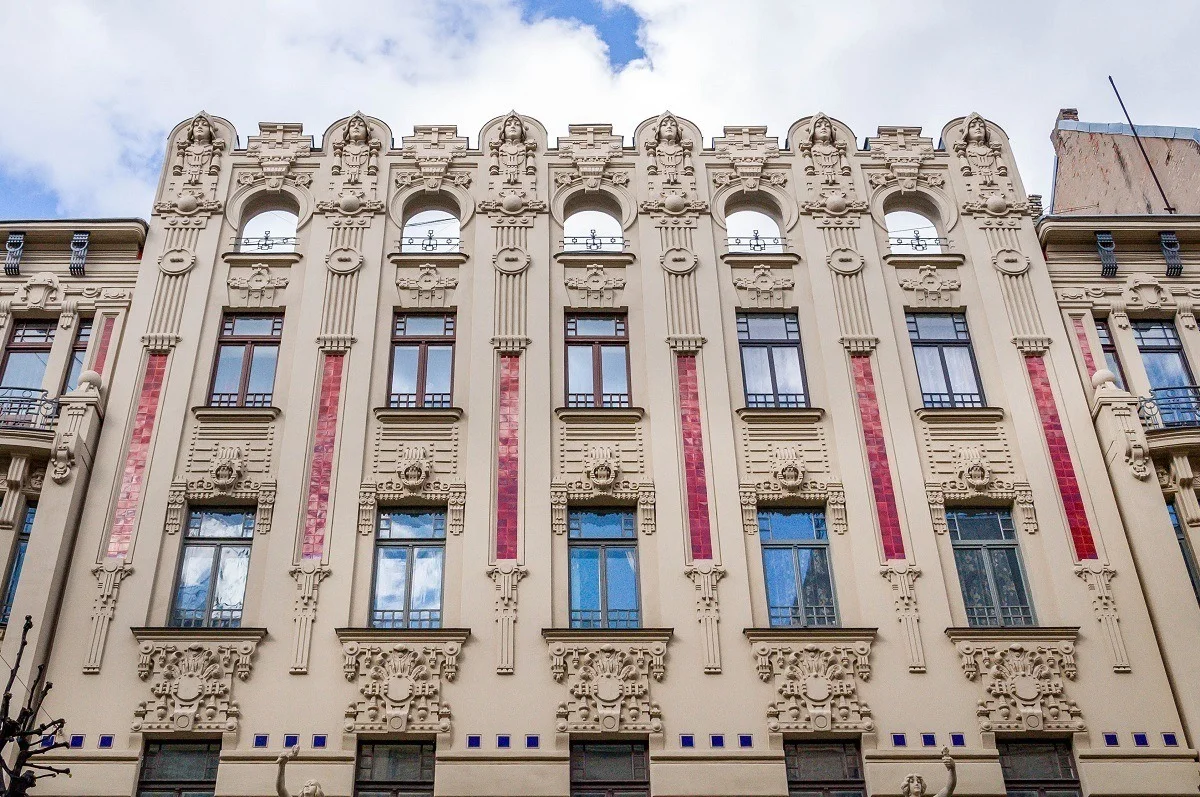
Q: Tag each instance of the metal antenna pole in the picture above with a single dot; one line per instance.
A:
(1138, 139)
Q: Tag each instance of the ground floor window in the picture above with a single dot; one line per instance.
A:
(824, 769)
(394, 769)
(179, 769)
(610, 769)
(1039, 769)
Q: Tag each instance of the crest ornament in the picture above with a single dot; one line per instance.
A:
(602, 466)
(191, 684)
(400, 684)
(609, 686)
(974, 471)
(413, 467)
(817, 685)
(788, 467)
(1024, 684)
(227, 468)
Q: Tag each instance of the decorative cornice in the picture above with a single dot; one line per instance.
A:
(1056, 633)
(599, 414)
(266, 258)
(412, 635)
(172, 634)
(802, 635)
(401, 415)
(602, 258)
(606, 635)
(950, 416)
(782, 415)
(236, 414)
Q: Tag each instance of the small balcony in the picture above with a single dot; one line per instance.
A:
(28, 409)
(1171, 408)
(266, 243)
(917, 244)
(593, 243)
(429, 244)
(755, 243)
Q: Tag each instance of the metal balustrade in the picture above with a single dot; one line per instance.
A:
(266, 243)
(593, 243)
(755, 243)
(1171, 407)
(27, 408)
(903, 245)
(429, 243)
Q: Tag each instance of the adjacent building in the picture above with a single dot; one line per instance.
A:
(590, 466)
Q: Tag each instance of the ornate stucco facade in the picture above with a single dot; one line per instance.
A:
(505, 678)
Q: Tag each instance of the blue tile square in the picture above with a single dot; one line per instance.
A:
(745, 740)
(716, 740)
(106, 742)
(1141, 740)
(291, 740)
(687, 740)
(899, 740)
(958, 740)
(76, 741)
(929, 739)
(1111, 740)
(532, 741)
(474, 741)
(320, 740)
(47, 741)
(1170, 740)
(261, 740)
(504, 741)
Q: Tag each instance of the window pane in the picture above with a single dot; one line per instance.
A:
(977, 595)
(621, 572)
(228, 378)
(404, 369)
(263, 325)
(601, 525)
(231, 583)
(613, 370)
(181, 761)
(427, 579)
(980, 525)
(813, 566)
(1014, 602)
(595, 327)
(262, 371)
(612, 762)
(14, 575)
(961, 369)
(229, 525)
(783, 602)
(1036, 761)
(73, 372)
(777, 526)
(579, 370)
(412, 763)
(766, 327)
(25, 369)
(195, 581)
(585, 587)
(934, 326)
(391, 577)
(929, 369)
(424, 325)
(412, 525)
(1155, 333)
(439, 364)
(757, 369)
(1113, 364)
(1166, 369)
(788, 376)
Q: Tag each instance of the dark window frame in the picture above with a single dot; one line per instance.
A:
(175, 620)
(597, 399)
(226, 337)
(176, 787)
(422, 398)
(15, 345)
(962, 340)
(795, 545)
(1008, 541)
(638, 785)
(1040, 786)
(846, 784)
(1108, 348)
(412, 544)
(79, 347)
(16, 562)
(1185, 549)
(627, 541)
(426, 752)
(775, 399)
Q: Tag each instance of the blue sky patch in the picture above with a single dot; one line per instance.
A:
(617, 25)
(25, 198)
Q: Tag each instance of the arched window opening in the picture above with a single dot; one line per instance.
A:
(752, 231)
(592, 231)
(269, 231)
(431, 231)
(911, 233)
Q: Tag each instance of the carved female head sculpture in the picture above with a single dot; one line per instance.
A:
(356, 130)
(512, 129)
(914, 786)
(667, 129)
(311, 789)
(975, 130)
(822, 130)
(200, 131)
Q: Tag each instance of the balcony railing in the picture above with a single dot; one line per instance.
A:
(266, 243)
(429, 244)
(916, 244)
(593, 243)
(1171, 407)
(26, 408)
(755, 243)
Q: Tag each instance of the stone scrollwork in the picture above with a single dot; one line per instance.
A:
(748, 150)
(762, 288)
(227, 468)
(904, 154)
(308, 574)
(192, 679)
(1024, 679)
(608, 681)
(816, 682)
(400, 681)
(705, 574)
(413, 467)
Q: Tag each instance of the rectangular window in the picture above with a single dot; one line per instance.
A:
(1039, 769)
(945, 363)
(989, 567)
(211, 587)
(247, 352)
(78, 350)
(410, 552)
(18, 559)
(27, 354)
(422, 361)
(1111, 361)
(610, 769)
(1185, 546)
(394, 769)
(824, 769)
(1175, 395)
(597, 361)
(772, 363)
(603, 569)
(795, 549)
(179, 769)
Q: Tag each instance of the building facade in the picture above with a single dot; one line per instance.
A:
(660, 504)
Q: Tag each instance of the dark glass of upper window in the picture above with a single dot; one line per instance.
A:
(394, 769)
(410, 551)
(1039, 769)
(945, 362)
(78, 350)
(1185, 547)
(211, 587)
(247, 353)
(795, 550)
(17, 562)
(1176, 397)
(990, 571)
(597, 361)
(27, 355)
(1111, 361)
(603, 569)
(610, 769)
(772, 362)
(179, 769)
(825, 768)
(422, 361)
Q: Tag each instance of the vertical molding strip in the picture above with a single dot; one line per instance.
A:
(102, 345)
(508, 470)
(321, 469)
(877, 457)
(1084, 346)
(695, 476)
(120, 535)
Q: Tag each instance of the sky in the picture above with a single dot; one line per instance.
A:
(90, 90)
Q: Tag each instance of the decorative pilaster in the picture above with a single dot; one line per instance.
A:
(903, 576)
(506, 574)
(109, 576)
(1098, 576)
(705, 575)
(308, 574)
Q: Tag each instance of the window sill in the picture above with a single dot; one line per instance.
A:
(587, 258)
(266, 258)
(405, 414)
(938, 415)
(780, 414)
(435, 258)
(369, 634)
(236, 414)
(947, 259)
(751, 259)
(809, 634)
(629, 414)
(161, 633)
(607, 634)
(1013, 633)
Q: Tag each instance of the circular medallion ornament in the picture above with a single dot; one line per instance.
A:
(399, 688)
(678, 260)
(675, 203)
(344, 260)
(836, 203)
(512, 203)
(188, 688)
(349, 203)
(187, 204)
(996, 204)
(511, 260)
(176, 261)
(845, 261)
(817, 688)
(608, 689)
(1010, 261)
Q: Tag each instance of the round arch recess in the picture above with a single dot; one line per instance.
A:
(251, 200)
(726, 196)
(928, 202)
(606, 200)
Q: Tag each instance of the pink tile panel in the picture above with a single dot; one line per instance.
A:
(1060, 458)
(695, 475)
(1084, 346)
(102, 347)
(877, 457)
(321, 471)
(120, 536)
(508, 457)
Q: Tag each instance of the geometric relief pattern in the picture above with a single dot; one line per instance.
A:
(1023, 682)
(401, 683)
(609, 685)
(787, 462)
(816, 684)
(414, 462)
(601, 459)
(192, 684)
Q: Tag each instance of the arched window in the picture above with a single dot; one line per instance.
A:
(592, 231)
(911, 233)
(431, 231)
(269, 231)
(752, 231)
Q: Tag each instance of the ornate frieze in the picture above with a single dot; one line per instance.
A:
(276, 150)
(905, 156)
(929, 286)
(256, 285)
(763, 286)
(595, 286)
(600, 456)
(608, 678)
(748, 150)
(816, 676)
(414, 461)
(426, 285)
(434, 150)
(590, 149)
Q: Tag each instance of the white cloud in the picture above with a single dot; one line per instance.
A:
(92, 89)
